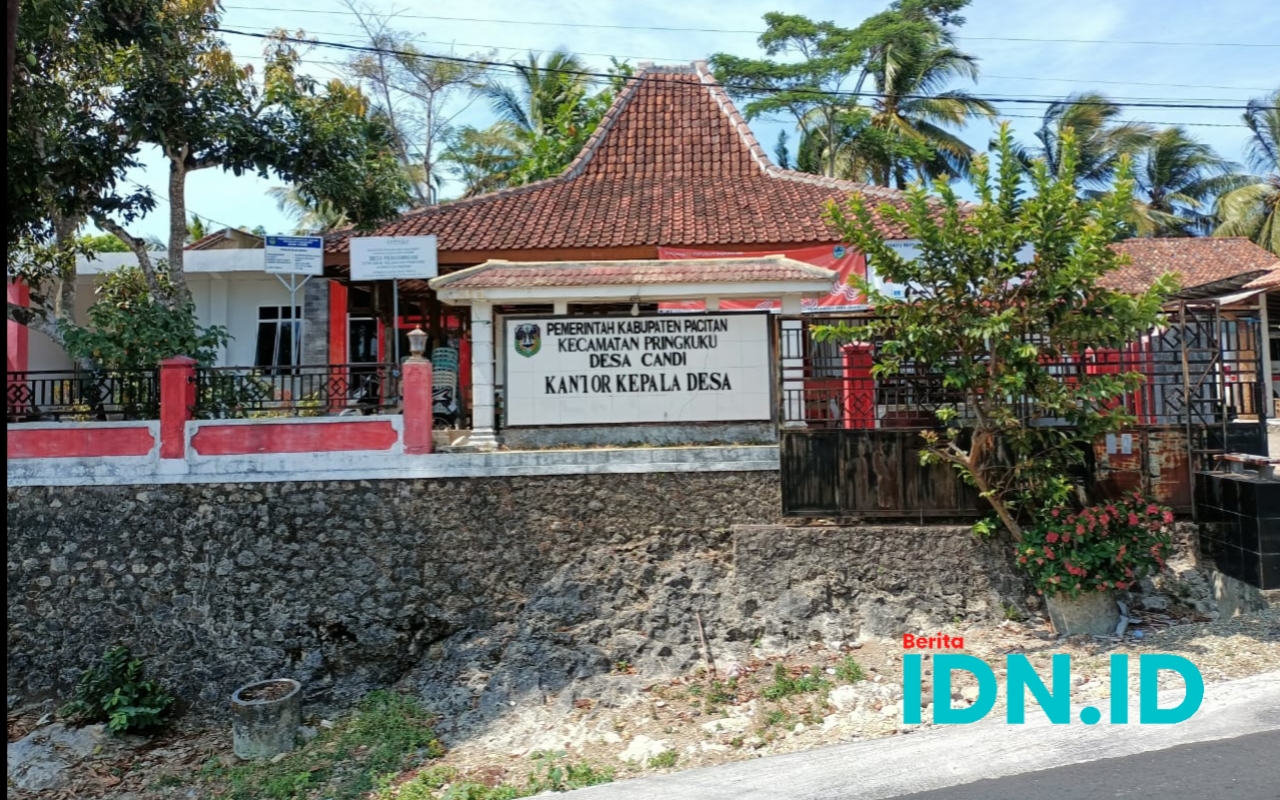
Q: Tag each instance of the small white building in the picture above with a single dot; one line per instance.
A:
(225, 273)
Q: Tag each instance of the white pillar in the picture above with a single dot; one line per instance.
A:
(482, 378)
(561, 307)
(713, 303)
(218, 314)
(792, 345)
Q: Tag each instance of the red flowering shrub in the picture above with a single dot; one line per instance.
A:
(1105, 547)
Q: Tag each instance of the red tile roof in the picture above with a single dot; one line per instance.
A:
(501, 274)
(672, 163)
(1267, 280)
(212, 240)
(1196, 262)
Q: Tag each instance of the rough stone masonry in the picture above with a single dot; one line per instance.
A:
(474, 592)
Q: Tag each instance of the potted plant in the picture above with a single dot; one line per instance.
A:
(1079, 560)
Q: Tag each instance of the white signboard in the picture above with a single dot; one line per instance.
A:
(385, 258)
(295, 255)
(608, 370)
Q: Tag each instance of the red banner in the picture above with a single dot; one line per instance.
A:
(842, 261)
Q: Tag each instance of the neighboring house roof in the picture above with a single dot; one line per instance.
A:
(227, 239)
(1268, 280)
(759, 276)
(672, 163)
(1198, 262)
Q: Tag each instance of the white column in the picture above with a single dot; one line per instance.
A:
(713, 303)
(791, 344)
(218, 313)
(482, 378)
(561, 307)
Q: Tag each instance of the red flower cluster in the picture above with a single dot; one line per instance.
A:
(1101, 548)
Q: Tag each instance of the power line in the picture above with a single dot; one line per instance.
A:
(419, 40)
(667, 28)
(748, 90)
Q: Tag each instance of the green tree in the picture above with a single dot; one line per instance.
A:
(155, 73)
(1100, 138)
(544, 120)
(310, 216)
(415, 93)
(484, 159)
(1177, 180)
(102, 243)
(914, 104)
(891, 48)
(989, 326)
(1253, 210)
(130, 329)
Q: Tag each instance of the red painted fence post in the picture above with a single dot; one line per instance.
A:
(859, 387)
(415, 385)
(177, 399)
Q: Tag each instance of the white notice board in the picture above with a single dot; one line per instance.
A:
(385, 258)
(294, 255)
(611, 370)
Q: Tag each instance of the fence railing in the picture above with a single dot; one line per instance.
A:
(829, 384)
(82, 395)
(315, 390)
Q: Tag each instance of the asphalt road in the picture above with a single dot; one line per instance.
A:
(1244, 768)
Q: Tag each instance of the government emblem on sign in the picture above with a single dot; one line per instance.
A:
(528, 339)
(839, 251)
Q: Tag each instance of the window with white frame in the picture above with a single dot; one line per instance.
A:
(279, 336)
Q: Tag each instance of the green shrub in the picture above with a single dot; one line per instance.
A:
(1109, 546)
(850, 671)
(116, 692)
(785, 686)
(664, 760)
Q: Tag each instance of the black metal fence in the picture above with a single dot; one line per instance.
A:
(305, 391)
(82, 395)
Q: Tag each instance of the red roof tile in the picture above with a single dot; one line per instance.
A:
(211, 241)
(673, 163)
(1196, 262)
(499, 274)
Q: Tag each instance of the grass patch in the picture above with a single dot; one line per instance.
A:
(550, 773)
(387, 734)
(850, 671)
(784, 685)
(664, 760)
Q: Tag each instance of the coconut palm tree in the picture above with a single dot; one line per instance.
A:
(1177, 179)
(1253, 210)
(542, 90)
(1101, 138)
(309, 216)
(915, 107)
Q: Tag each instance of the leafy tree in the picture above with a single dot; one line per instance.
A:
(484, 159)
(103, 243)
(913, 102)
(891, 48)
(415, 93)
(155, 73)
(1253, 210)
(989, 326)
(196, 229)
(544, 121)
(1100, 138)
(130, 329)
(1178, 179)
(311, 217)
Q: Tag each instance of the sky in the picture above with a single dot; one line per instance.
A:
(1132, 57)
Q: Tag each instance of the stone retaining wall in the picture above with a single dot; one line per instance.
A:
(474, 591)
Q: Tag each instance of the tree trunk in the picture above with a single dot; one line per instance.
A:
(177, 228)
